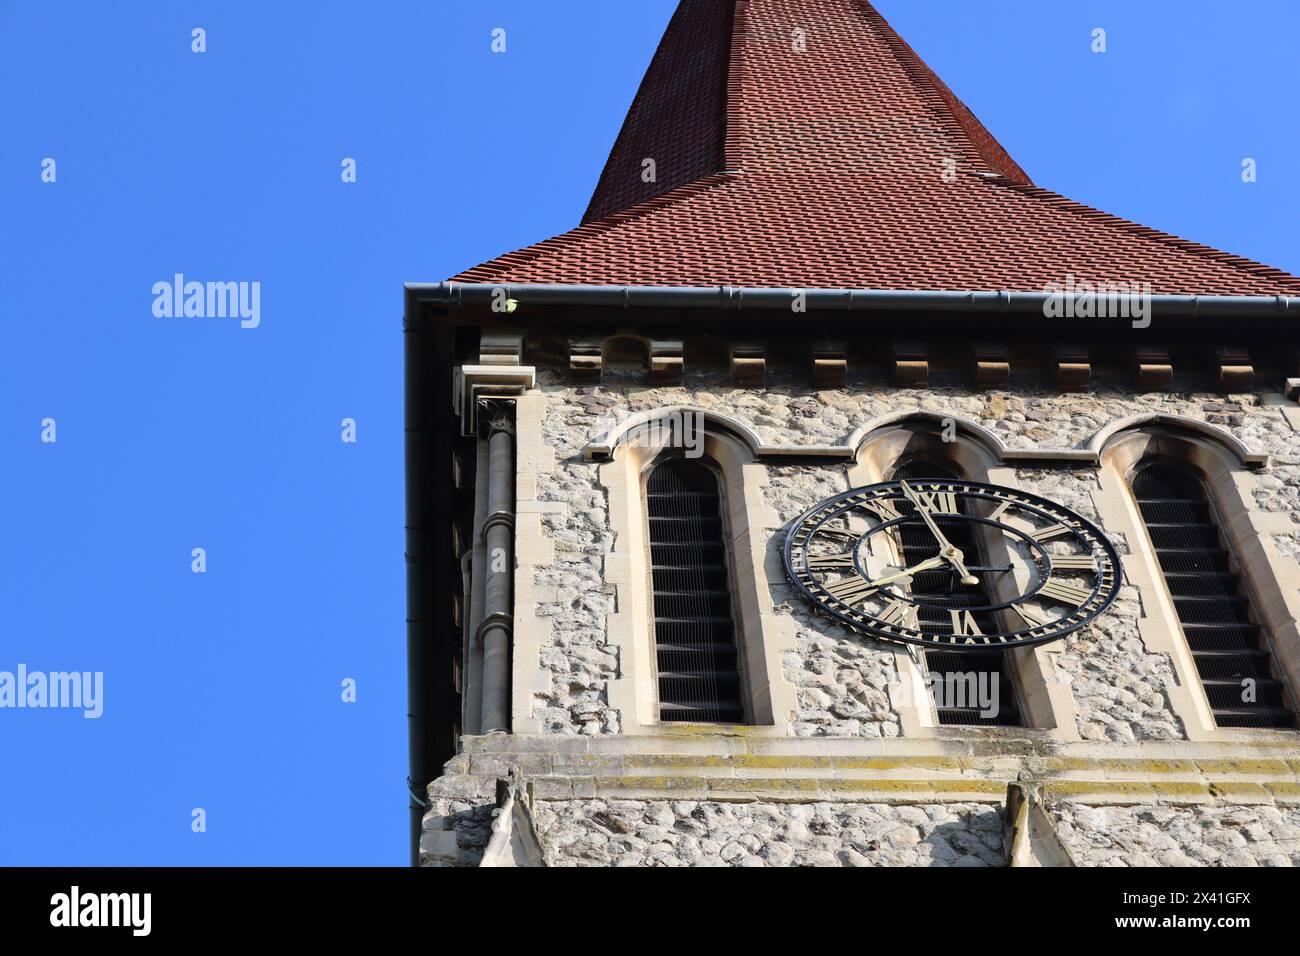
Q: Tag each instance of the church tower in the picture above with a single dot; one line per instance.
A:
(834, 495)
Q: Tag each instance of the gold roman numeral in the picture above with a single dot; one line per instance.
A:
(1000, 510)
(1074, 562)
(1031, 616)
(963, 624)
(830, 562)
(1048, 533)
(883, 509)
(900, 614)
(938, 502)
(850, 590)
(1066, 592)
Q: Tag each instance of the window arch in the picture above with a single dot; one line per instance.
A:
(1227, 644)
(696, 652)
(952, 666)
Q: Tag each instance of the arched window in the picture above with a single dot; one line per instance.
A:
(695, 633)
(1214, 610)
(956, 668)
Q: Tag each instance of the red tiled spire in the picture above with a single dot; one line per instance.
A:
(847, 165)
(679, 115)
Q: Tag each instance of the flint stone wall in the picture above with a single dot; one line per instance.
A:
(1180, 836)
(663, 833)
(691, 833)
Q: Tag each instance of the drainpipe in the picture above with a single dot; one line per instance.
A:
(498, 539)
(472, 684)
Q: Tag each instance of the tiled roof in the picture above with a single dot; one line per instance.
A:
(849, 165)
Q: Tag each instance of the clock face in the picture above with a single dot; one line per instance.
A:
(953, 564)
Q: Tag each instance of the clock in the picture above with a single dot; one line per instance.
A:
(958, 565)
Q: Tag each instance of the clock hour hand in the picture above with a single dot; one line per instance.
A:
(929, 565)
(947, 550)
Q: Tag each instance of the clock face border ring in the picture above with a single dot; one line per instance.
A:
(1107, 598)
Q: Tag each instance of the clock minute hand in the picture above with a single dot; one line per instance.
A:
(947, 550)
(944, 543)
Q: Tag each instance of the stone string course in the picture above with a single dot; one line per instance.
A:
(841, 678)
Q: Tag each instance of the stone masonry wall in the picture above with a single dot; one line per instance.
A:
(841, 678)
(1180, 836)
(697, 833)
(678, 833)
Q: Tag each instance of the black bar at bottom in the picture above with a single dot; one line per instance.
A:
(370, 905)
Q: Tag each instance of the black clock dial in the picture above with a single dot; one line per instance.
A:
(952, 564)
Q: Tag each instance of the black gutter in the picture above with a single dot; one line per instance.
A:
(842, 300)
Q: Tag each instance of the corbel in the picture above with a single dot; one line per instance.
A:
(666, 361)
(911, 363)
(475, 384)
(501, 347)
(748, 365)
(830, 365)
(1236, 371)
(1073, 368)
(586, 359)
(992, 366)
(1155, 369)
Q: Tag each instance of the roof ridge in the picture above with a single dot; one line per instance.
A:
(677, 120)
(974, 133)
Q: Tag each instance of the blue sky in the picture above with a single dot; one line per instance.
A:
(222, 689)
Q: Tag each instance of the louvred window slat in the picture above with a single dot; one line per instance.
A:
(695, 634)
(1227, 645)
